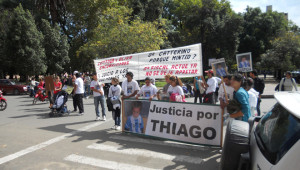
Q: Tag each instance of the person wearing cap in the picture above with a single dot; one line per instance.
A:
(78, 93)
(210, 86)
(99, 97)
(130, 87)
(148, 91)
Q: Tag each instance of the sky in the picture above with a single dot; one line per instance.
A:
(292, 7)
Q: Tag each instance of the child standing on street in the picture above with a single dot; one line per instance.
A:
(114, 95)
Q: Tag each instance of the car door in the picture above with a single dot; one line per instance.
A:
(8, 86)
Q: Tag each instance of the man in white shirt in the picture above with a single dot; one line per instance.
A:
(210, 87)
(99, 97)
(130, 87)
(78, 92)
(229, 91)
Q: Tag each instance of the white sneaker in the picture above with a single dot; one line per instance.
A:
(114, 127)
(97, 118)
(118, 127)
(80, 114)
(104, 118)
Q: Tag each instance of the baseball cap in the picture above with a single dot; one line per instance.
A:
(209, 71)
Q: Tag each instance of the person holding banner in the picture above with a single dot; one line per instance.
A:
(130, 87)
(114, 94)
(175, 90)
(167, 78)
(241, 96)
(149, 91)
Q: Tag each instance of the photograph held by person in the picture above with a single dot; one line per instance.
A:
(198, 89)
(259, 86)
(288, 83)
(99, 97)
(130, 87)
(114, 94)
(175, 90)
(78, 93)
(242, 97)
(210, 87)
(148, 91)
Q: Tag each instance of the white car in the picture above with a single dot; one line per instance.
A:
(270, 142)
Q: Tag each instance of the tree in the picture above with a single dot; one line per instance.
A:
(284, 54)
(24, 45)
(56, 47)
(146, 10)
(4, 23)
(259, 29)
(117, 35)
(209, 22)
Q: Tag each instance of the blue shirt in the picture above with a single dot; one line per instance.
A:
(197, 86)
(135, 125)
(242, 97)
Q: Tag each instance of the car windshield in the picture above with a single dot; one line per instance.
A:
(277, 132)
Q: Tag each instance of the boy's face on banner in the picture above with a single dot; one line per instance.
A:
(136, 112)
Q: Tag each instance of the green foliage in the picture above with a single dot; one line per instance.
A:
(259, 30)
(24, 44)
(284, 54)
(117, 35)
(56, 47)
(209, 22)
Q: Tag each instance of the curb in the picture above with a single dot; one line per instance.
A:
(267, 96)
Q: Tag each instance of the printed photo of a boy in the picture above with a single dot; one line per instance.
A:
(135, 122)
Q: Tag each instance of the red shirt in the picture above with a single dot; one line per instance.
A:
(56, 86)
(41, 85)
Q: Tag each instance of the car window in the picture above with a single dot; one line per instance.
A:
(12, 83)
(277, 132)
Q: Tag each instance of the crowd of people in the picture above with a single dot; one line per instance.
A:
(245, 92)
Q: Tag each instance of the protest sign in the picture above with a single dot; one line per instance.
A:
(244, 62)
(192, 123)
(219, 67)
(182, 62)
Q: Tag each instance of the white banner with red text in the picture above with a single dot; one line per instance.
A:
(182, 62)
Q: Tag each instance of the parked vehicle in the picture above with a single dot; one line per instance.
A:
(40, 96)
(11, 87)
(267, 142)
(3, 103)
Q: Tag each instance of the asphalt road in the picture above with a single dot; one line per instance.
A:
(29, 139)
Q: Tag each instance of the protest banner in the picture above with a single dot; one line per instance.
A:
(182, 62)
(219, 67)
(244, 62)
(192, 123)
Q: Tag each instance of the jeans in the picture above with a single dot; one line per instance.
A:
(87, 90)
(101, 100)
(198, 95)
(258, 106)
(79, 102)
(117, 116)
